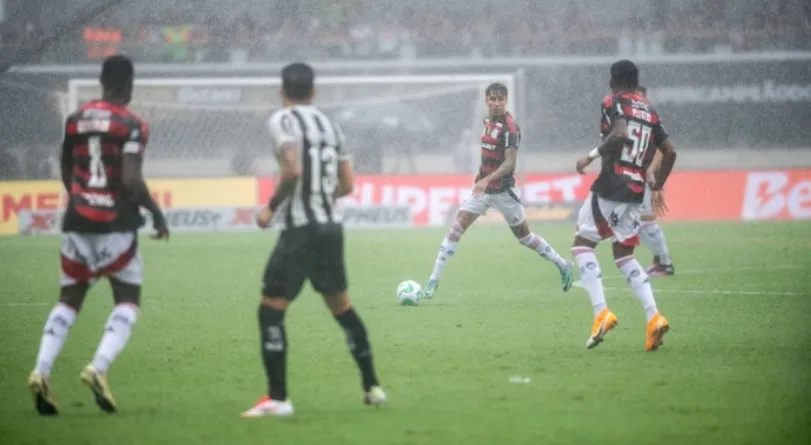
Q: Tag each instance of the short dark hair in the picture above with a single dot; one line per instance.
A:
(298, 81)
(625, 74)
(496, 88)
(117, 72)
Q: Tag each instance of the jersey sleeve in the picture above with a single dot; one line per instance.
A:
(512, 135)
(283, 129)
(340, 143)
(137, 139)
(612, 110)
(659, 134)
(513, 138)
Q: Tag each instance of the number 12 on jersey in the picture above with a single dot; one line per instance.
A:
(639, 136)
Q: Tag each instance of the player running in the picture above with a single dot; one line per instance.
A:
(102, 155)
(632, 131)
(315, 171)
(495, 187)
(650, 233)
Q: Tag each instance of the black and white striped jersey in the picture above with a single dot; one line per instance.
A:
(320, 144)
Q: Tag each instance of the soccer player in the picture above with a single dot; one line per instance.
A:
(495, 187)
(102, 155)
(632, 132)
(650, 233)
(315, 171)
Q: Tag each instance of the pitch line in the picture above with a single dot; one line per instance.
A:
(714, 291)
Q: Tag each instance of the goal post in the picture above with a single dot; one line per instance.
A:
(216, 126)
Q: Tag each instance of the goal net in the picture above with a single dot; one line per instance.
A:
(394, 123)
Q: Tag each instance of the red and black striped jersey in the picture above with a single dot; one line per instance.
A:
(499, 134)
(622, 177)
(97, 136)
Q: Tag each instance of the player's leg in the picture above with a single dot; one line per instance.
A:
(357, 339)
(75, 279)
(328, 277)
(470, 209)
(654, 239)
(626, 239)
(282, 282)
(513, 212)
(123, 266)
(591, 229)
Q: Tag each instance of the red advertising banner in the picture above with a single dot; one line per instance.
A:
(698, 195)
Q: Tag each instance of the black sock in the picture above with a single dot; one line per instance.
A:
(359, 346)
(274, 350)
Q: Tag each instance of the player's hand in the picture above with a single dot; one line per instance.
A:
(160, 234)
(658, 202)
(582, 163)
(480, 187)
(650, 177)
(263, 217)
(161, 229)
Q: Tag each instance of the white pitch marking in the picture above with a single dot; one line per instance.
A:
(708, 291)
(577, 283)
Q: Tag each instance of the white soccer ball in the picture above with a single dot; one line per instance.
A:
(408, 293)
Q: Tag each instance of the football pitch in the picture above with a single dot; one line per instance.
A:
(735, 368)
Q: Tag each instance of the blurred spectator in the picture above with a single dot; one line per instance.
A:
(239, 31)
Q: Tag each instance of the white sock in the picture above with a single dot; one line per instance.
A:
(116, 333)
(639, 282)
(543, 248)
(447, 249)
(653, 237)
(54, 335)
(590, 276)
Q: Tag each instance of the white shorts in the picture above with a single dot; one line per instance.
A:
(86, 257)
(507, 203)
(600, 219)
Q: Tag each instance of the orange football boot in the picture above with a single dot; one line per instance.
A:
(657, 328)
(603, 323)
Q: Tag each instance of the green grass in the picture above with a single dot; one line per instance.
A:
(733, 370)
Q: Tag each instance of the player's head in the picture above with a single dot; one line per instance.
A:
(624, 76)
(495, 95)
(642, 90)
(117, 75)
(298, 82)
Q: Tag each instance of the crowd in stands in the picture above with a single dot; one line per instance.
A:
(274, 30)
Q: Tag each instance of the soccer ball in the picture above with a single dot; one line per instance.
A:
(408, 293)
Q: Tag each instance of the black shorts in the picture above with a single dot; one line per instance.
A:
(306, 253)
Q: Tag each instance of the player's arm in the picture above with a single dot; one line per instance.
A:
(613, 141)
(284, 136)
(511, 142)
(654, 167)
(346, 179)
(132, 178)
(506, 167)
(346, 174)
(290, 165)
(668, 160)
